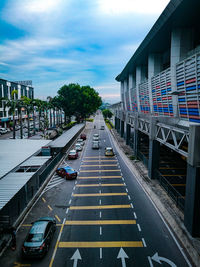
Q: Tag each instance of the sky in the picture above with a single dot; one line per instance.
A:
(57, 42)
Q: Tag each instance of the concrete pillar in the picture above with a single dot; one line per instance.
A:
(154, 149)
(181, 43)
(154, 67)
(135, 137)
(128, 133)
(192, 200)
(122, 94)
(122, 128)
(140, 75)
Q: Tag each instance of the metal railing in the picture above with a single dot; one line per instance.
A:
(171, 191)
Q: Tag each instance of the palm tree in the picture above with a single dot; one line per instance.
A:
(51, 106)
(12, 105)
(28, 104)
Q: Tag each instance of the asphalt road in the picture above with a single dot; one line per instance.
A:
(104, 218)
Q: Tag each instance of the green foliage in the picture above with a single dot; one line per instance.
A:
(90, 120)
(77, 100)
(68, 125)
(107, 113)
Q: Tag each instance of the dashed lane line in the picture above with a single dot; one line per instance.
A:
(50, 207)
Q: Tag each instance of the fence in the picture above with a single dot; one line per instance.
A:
(171, 191)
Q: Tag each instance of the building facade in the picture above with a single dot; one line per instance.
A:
(160, 94)
(6, 88)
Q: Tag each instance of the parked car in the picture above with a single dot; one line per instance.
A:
(102, 127)
(78, 147)
(95, 144)
(73, 154)
(83, 136)
(67, 172)
(3, 130)
(81, 141)
(109, 151)
(39, 237)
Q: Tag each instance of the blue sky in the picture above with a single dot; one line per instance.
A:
(56, 42)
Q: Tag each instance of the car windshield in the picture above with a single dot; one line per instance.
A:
(72, 153)
(70, 171)
(34, 237)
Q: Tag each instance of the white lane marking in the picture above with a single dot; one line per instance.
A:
(70, 201)
(144, 243)
(129, 197)
(74, 188)
(126, 190)
(99, 201)
(76, 182)
(100, 253)
(125, 160)
(150, 261)
(131, 205)
(139, 228)
(100, 214)
(100, 230)
(124, 184)
(99, 191)
(123, 178)
(135, 215)
(67, 210)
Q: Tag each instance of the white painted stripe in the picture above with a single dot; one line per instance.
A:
(131, 205)
(126, 190)
(144, 243)
(67, 210)
(100, 253)
(100, 214)
(135, 215)
(150, 261)
(139, 228)
(70, 201)
(129, 197)
(99, 201)
(100, 230)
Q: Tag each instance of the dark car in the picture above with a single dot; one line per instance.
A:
(83, 136)
(38, 240)
(73, 154)
(67, 172)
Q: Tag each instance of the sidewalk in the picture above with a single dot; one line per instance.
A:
(172, 215)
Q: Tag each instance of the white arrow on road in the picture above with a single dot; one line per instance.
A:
(122, 254)
(76, 257)
(158, 259)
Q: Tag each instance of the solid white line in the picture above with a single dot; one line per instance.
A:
(135, 215)
(144, 243)
(100, 230)
(129, 197)
(100, 253)
(139, 227)
(150, 261)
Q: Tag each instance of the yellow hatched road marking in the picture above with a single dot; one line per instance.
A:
(99, 194)
(114, 244)
(101, 160)
(118, 170)
(18, 264)
(95, 157)
(104, 165)
(88, 185)
(98, 177)
(57, 218)
(173, 175)
(100, 207)
(44, 200)
(50, 208)
(100, 222)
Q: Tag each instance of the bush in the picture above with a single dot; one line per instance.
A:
(90, 120)
(69, 125)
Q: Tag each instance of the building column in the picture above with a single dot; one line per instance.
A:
(181, 43)
(154, 67)
(192, 200)
(135, 137)
(128, 133)
(122, 128)
(154, 149)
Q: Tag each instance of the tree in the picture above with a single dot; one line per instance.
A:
(28, 104)
(107, 113)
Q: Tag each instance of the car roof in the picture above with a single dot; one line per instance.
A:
(72, 151)
(38, 227)
(108, 148)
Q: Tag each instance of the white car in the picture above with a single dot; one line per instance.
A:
(3, 130)
(78, 147)
(81, 141)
